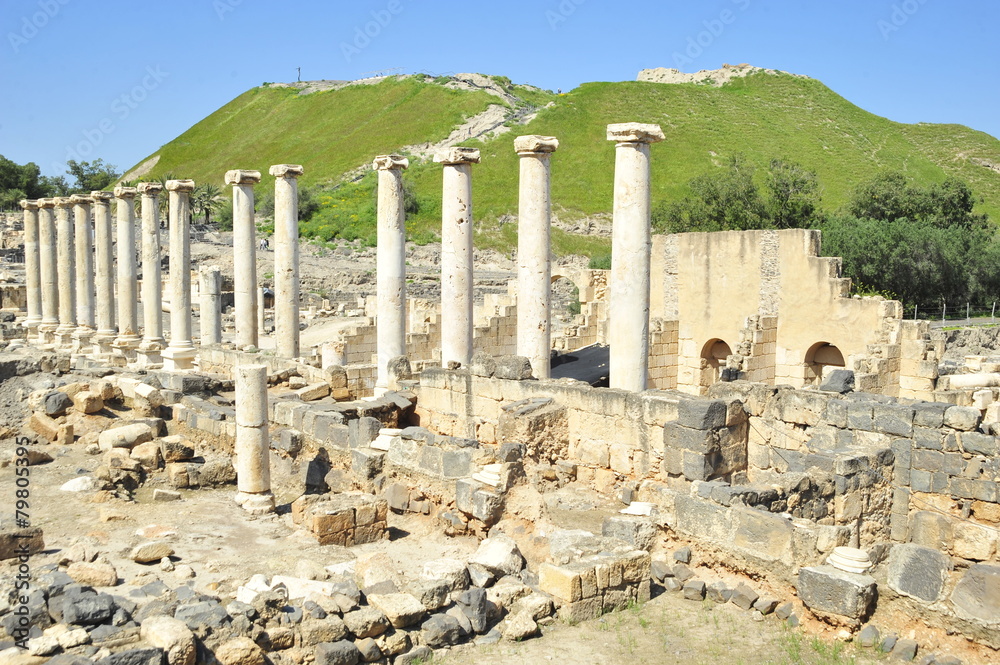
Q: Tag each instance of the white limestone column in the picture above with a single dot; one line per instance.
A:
(128, 304)
(390, 271)
(333, 354)
(244, 256)
(286, 259)
(84, 239)
(628, 319)
(151, 346)
(456, 254)
(48, 263)
(104, 266)
(253, 471)
(211, 304)
(66, 262)
(534, 271)
(180, 353)
(32, 274)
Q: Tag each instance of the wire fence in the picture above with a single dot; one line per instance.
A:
(965, 313)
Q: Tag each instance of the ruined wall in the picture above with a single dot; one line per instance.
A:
(771, 294)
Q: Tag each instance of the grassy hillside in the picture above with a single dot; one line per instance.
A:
(763, 116)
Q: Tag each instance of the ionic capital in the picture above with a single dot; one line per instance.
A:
(457, 155)
(286, 170)
(180, 185)
(63, 202)
(47, 203)
(242, 177)
(149, 188)
(28, 204)
(390, 162)
(533, 143)
(635, 132)
(80, 199)
(101, 197)
(125, 192)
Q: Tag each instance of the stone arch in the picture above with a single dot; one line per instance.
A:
(713, 360)
(821, 356)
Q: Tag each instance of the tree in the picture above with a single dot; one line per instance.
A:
(720, 201)
(889, 196)
(206, 200)
(91, 176)
(793, 195)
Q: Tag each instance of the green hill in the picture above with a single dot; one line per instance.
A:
(763, 116)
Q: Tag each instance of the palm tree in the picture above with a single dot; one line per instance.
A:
(206, 200)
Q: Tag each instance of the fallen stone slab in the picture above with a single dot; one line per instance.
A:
(150, 552)
(20, 542)
(126, 436)
(832, 591)
(499, 555)
(918, 572)
(977, 594)
(402, 609)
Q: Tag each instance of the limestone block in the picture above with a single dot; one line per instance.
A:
(563, 582)
(977, 594)
(313, 392)
(126, 436)
(973, 541)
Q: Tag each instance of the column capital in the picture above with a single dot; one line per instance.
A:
(125, 192)
(180, 185)
(47, 203)
(80, 199)
(149, 188)
(635, 132)
(390, 162)
(101, 197)
(242, 177)
(457, 155)
(533, 143)
(286, 170)
(28, 204)
(63, 202)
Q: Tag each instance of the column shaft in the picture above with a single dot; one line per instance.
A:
(534, 272)
(244, 256)
(179, 355)
(456, 255)
(105, 269)
(84, 231)
(32, 274)
(128, 304)
(48, 262)
(66, 265)
(286, 259)
(630, 245)
(391, 265)
(211, 305)
(152, 289)
(253, 472)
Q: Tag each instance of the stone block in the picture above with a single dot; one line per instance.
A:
(701, 414)
(977, 594)
(367, 463)
(637, 531)
(832, 591)
(918, 572)
(893, 419)
(563, 582)
(962, 418)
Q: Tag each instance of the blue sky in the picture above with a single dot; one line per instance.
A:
(116, 79)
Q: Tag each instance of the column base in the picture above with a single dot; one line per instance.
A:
(82, 340)
(31, 327)
(64, 337)
(103, 341)
(255, 504)
(123, 348)
(178, 359)
(149, 354)
(47, 334)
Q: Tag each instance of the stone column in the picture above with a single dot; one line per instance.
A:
(456, 254)
(48, 266)
(261, 313)
(104, 261)
(179, 355)
(211, 305)
(390, 271)
(286, 259)
(253, 471)
(32, 274)
(244, 256)
(84, 234)
(534, 272)
(66, 265)
(128, 304)
(628, 334)
(151, 346)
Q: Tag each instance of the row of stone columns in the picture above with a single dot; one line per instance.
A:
(629, 293)
(70, 278)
